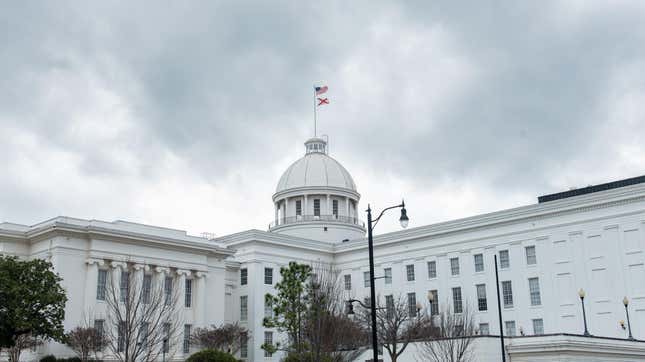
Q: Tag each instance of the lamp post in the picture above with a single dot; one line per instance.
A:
(581, 294)
(370, 244)
(629, 326)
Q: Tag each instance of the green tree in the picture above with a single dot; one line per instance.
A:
(32, 301)
(211, 355)
(290, 307)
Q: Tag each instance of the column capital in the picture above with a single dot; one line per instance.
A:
(118, 264)
(184, 272)
(92, 261)
(201, 274)
(162, 269)
(143, 267)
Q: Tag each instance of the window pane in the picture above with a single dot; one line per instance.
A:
(456, 300)
(186, 346)
(168, 290)
(479, 262)
(387, 272)
(531, 258)
(366, 279)
(538, 326)
(244, 276)
(334, 209)
(348, 282)
(507, 293)
(504, 261)
(389, 305)
(244, 346)
(534, 290)
(147, 288)
(244, 308)
(434, 306)
(484, 329)
(482, 303)
(298, 208)
(454, 266)
(316, 207)
(100, 285)
(268, 276)
(409, 269)
(432, 269)
(510, 328)
(412, 304)
(125, 285)
(188, 296)
(268, 339)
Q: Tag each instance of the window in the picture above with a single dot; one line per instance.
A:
(484, 329)
(244, 276)
(268, 339)
(100, 285)
(504, 261)
(538, 326)
(510, 328)
(268, 276)
(143, 334)
(120, 340)
(387, 272)
(168, 290)
(244, 345)
(268, 310)
(434, 306)
(334, 208)
(316, 207)
(432, 269)
(412, 304)
(534, 290)
(507, 294)
(409, 271)
(454, 266)
(166, 337)
(389, 305)
(479, 262)
(482, 304)
(188, 295)
(186, 346)
(298, 208)
(366, 279)
(124, 286)
(147, 288)
(99, 325)
(456, 300)
(244, 308)
(348, 281)
(531, 258)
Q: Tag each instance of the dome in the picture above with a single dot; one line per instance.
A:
(316, 169)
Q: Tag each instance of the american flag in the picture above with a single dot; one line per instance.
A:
(321, 90)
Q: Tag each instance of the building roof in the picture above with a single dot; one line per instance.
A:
(591, 189)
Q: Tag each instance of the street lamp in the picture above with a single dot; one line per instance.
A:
(581, 294)
(370, 244)
(629, 326)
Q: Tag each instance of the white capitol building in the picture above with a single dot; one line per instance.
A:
(591, 238)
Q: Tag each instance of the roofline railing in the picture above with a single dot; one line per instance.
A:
(316, 218)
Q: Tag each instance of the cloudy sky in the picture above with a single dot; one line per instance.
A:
(184, 114)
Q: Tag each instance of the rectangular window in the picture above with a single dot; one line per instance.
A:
(484, 329)
(510, 328)
(268, 339)
(456, 300)
(244, 308)
(244, 345)
(244, 276)
(186, 346)
(454, 266)
(100, 284)
(168, 290)
(188, 295)
(507, 294)
(120, 340)
(99, 325)
(366, 279)
(124, 286)
(147, 288)
(298, 208)
(268, 310)
(479, 262)
(334, 208)
(409, 271)
(316, 207)
(531, 258)
(412, 304)
(389, 306)
(268, 276)
(434, 306)
(432, 269)
(504, 260)
(534, 290)
(166, 337)
(387, 272)
(482, 303)
(348, 281)
(538, 326)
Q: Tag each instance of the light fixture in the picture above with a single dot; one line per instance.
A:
(625, 301)
(404, 216)
(581, 293)
(430, 297)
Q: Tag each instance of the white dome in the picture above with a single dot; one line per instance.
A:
(316, 169)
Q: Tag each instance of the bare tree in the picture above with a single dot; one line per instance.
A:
(86, 341)
(142, 316)
(227, 337)
(23, 341)
(398, 323)
(453, 341)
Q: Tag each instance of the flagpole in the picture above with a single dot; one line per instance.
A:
(315, 116)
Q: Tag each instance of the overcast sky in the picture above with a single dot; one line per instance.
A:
(184, 114)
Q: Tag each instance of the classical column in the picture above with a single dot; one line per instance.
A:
(277, 207)
(200, 300)
(329, 204)
(91, 284)
(347, 207)
(118, 267)
(286, 210)
(139, 271)
(305, 211)
(160, 278)
(183, 273)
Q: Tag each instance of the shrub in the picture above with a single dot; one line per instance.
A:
(211, 355)
(69, 359)
(48, 358)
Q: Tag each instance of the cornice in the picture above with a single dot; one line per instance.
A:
(257, 236)
(316, 190)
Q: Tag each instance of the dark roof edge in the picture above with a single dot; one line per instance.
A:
(592, 189)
